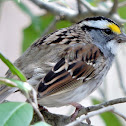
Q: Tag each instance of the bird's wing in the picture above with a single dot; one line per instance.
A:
(78, 62)
(45, 49)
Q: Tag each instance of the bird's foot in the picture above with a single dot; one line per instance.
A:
(78, 108)
(74, 115)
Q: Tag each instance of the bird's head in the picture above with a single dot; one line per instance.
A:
(104, 32)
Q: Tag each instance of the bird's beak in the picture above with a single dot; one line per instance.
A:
(121, 38)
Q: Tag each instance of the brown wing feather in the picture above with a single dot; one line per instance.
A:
(77, 63)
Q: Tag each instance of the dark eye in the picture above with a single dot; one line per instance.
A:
(108, 31)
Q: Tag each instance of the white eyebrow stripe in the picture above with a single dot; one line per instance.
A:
(102, 24)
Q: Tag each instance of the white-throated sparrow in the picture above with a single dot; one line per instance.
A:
(69, 64)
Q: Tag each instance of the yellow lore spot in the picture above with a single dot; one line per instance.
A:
(114, 28)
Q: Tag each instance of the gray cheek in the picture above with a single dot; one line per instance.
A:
(100, 39)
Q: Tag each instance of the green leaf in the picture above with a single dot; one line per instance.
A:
(121, 1)
(109, 118)
(24, 86)
(41, 124)
(15, 114)
(30, 34)
(13, 68)
(122, 11)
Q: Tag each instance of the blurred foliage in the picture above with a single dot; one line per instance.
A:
(31, 33)
(122, 10)
(40, 23)
(35, 20)
(63, 24)
(122, 14)
(109, 118)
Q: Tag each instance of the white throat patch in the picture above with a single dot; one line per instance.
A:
(112, 46)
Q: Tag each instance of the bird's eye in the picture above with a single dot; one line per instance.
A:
(108, 31)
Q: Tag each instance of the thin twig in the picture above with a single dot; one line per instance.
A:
(114, 7)
(119, 114)
(122, 4)
(56, 9)
(79, 6)
(102, 110)
(63, 120)
(118, 19)
(36, 110)
(73, 15)
(51, 25)
(85, 110)
(32, 99)
(122, 85)
(88, 6)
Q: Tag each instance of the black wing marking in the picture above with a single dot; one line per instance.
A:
(77, 63)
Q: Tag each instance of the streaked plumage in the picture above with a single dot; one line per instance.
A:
(69, 64)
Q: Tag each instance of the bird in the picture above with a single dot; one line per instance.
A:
(69, 64)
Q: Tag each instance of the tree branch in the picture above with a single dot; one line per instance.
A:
(119, 114)
(102, 110)
(63, 120)
(90, 8)
(118, 19)
(79, 6)
(74, 16)
(114, 7)
(108, 103)
(122, 4)
(55, 119)
(37, 111)
(56, 9)
(51, 25)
